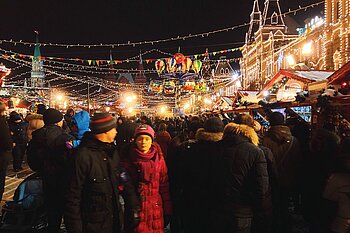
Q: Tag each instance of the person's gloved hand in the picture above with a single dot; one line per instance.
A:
(135, 218)
(167, 219)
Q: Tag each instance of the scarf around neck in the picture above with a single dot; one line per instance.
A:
(146, 163)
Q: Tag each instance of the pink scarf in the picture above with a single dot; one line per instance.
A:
(145, 162)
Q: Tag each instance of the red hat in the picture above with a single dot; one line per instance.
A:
(144, 129)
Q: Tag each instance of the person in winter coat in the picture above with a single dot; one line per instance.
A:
(288, 157)
(198, 166)
(241, 180)
(163, 138)
(263, 220)
(80, 125)
(68, 120)
(319, 165)
(51, 140)
(35, 121)
(18, 131)
(92, 200)
(337, 191)
(177, 155)
(145, 163)
(126, 133)
(5, 147)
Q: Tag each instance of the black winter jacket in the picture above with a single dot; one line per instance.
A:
(5, 136)
(288, 157)
(93, 197)
(241, 174)
(197, 175)
(5, 143)
(54, 140)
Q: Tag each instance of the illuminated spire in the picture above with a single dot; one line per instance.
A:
(255, 22)
(272, 15)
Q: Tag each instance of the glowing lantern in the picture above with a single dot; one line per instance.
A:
(160, 66)
(186, 64)
(171, 65)
(179, 57)
(196, 66)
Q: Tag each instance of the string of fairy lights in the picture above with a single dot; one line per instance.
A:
(157, 41)
(59, 70)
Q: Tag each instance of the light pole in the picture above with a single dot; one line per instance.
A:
(88, 97)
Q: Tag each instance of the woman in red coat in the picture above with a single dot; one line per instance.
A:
(145, 163)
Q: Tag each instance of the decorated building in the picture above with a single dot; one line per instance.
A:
(266, 35)
(3, 73)
(111, 72)
(37, 77)
(337, 41)
(140, 77)
(322, 44)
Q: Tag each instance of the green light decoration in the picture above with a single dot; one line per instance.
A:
(274, 89)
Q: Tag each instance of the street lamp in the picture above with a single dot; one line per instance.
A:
(307, 49)
(290, 60)
(59, 97)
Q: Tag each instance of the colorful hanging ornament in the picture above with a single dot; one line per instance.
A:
(179, 57)
(171, 65)
(169, 88)
(160, 66)
(196, 66)
(186, 64)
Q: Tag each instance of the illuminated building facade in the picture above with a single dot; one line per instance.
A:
(323, 44)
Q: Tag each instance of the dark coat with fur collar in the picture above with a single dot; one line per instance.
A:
(197, 194)
(241, 173)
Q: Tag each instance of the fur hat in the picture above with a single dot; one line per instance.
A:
(214, 125)
(102, 123)
(247, 119)
(52, 116)
(276, 118)
(144, 130)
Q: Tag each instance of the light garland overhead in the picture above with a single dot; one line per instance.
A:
(106, 64)
(152, 42)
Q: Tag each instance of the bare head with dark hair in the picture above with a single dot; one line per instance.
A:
(162, 127)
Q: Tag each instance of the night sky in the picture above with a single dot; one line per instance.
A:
(118, 21)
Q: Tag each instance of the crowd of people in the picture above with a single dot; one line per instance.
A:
(191, 174)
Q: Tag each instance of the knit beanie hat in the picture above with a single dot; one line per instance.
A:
(144, 130)
(102, 123)
(52, 116)
(214, 125)
(276, 118)
(14, 116)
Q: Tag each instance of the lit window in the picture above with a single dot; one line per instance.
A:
(274, 18)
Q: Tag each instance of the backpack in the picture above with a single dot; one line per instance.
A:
(37, 152)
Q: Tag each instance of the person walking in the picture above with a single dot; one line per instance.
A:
(18, 130)
(288, 157)
(92, 200)
(5, 147)
(48, 151)
(241, 181)
(197, 174)
(145, 163)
